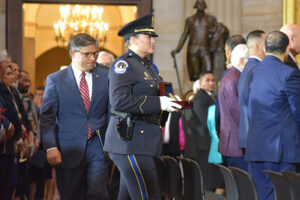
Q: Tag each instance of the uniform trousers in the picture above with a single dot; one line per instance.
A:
(87, 181)
(262, 180)
(139, 179)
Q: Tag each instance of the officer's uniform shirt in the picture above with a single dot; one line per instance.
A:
(133, 88)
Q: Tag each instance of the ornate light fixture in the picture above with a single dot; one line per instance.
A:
(80, 19)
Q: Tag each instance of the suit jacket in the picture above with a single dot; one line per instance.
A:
(196, 133)
(230, 114)
(64, 120)
(274, 110)
(11, 116)
(244, 81)
(290, 62)
(133, 88)
(217, 111)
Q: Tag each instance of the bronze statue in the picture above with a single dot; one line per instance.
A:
(200, 28)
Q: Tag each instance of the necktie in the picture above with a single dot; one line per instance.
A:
(84, 91)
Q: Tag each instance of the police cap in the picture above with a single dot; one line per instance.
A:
(142, 25)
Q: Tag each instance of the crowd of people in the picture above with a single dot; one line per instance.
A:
(96, 128)
(255, 115)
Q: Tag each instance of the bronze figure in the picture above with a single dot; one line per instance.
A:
(201, 29)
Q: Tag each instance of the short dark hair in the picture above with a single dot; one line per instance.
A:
(81, 40)
(204, 73)
(276, 42)
(235, 40)
(254, 34)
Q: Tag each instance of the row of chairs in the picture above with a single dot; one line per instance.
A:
(286, 185)
(172, 185)
(238, 183)
(240, 186)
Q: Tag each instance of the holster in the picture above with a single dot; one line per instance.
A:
(125, 124)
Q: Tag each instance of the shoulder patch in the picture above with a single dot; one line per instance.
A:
(120, 66)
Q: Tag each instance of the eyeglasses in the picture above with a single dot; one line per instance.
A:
(88, 54)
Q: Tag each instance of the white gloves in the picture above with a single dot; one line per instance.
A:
(166, 104)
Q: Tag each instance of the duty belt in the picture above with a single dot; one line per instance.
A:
(152, 119)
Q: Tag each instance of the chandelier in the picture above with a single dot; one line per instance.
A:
(80, 19)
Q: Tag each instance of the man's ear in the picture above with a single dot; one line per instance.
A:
(72, 53)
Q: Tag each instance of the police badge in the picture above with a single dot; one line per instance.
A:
(120, 67)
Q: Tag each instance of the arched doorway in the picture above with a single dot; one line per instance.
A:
(17, 44)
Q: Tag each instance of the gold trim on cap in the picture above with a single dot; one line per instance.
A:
(144, 30)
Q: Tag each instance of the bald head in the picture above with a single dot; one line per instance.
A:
(293, 32)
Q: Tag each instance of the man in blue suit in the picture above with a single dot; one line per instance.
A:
(273, 140)
(73, 116)
(256, 44)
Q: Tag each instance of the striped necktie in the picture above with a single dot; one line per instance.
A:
(85, 95)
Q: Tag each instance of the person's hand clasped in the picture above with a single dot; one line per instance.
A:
(167, 104)
(54, 157)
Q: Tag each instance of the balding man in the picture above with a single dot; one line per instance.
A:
(256, 46)
(273, 141)
(105, 58)
(293, 32)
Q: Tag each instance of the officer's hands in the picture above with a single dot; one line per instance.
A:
(54, 156)
(173, 53)
(167, 104)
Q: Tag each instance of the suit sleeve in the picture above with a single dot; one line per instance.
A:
(48, 115)
(293, 94)
(235, 108)
(4, 121)
(201, 111)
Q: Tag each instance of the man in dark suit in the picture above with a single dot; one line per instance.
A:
(293, 32)
(197, 143)
(256, 44)
(273, 140)
(230, 112)
(73, 116)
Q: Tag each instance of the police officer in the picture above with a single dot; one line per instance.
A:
(133, 137)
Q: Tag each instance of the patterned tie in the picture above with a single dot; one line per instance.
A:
(84, 91)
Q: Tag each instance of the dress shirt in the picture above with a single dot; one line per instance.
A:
(88, 78)
(293, 58)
